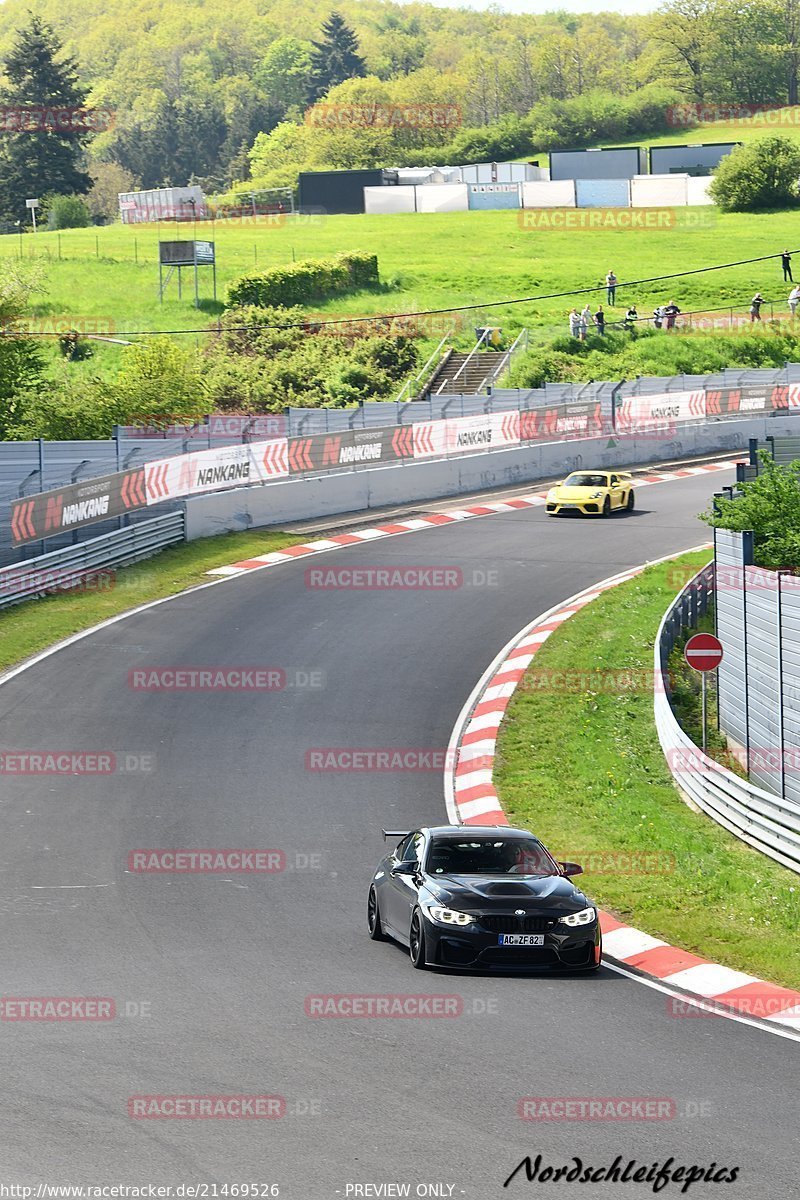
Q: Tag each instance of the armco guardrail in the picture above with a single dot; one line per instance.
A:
(86, 565)
(765, 821)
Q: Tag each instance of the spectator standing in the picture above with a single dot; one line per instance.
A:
(794, 300)
(786, 263)
(658, 316)
(755, 307)
(574, 323)
(631, 317)
(671, 312)
(600, 320)
(611, 288)
(586, 316)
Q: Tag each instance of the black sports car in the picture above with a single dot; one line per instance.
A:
(482, 896)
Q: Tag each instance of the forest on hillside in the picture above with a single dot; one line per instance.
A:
(220, 93)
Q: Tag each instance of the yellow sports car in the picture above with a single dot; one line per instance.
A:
(593, 493)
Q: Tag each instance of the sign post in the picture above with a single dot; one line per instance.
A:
(32, 205)
(703, 653)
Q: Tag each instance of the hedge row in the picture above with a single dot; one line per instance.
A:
(305, 281)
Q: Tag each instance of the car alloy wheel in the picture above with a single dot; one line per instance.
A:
(374, 917)
(416, 942)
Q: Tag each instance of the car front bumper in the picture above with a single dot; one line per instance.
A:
(465, 947)
(584, 507)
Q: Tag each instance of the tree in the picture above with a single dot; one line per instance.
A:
(43, 155)
(108, 180)
(334, 58)
(770, 506)
(687, 29)
(761, 174)
(21, 362)
(284, 74)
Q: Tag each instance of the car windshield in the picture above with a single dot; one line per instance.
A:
(489, 856)
(580, 480)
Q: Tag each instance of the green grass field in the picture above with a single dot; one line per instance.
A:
(426, 261)
(783, 121)
(584, 770)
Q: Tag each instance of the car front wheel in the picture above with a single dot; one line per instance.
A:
(607, 507)
(631, 502)
(416, 942)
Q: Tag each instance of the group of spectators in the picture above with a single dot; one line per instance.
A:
(664, 315)
(579, 322)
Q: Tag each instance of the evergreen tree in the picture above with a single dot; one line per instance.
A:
(45, 154)
(335, 58)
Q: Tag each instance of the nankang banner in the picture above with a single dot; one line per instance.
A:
(77, 504)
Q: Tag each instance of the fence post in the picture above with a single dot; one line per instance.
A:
(781, 739)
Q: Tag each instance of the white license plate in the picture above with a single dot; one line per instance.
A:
(521, 939)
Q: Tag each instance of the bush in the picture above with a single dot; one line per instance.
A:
(770, 506)
(761, 174)
(66, 212)
(599, 115)
(303, 282)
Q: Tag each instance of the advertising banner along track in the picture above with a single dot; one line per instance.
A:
(77, 504)
(239, 465)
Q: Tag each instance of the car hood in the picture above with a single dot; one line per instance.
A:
(578, 493)
(502, 892)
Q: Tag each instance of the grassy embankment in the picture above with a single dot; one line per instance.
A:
(585, 771)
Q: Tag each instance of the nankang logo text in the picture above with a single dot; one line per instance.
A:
(226, 474)
(84, 510)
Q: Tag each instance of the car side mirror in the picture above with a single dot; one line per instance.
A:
(405, 868)
(568, 868)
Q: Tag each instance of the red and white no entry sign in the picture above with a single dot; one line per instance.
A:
(703, 652)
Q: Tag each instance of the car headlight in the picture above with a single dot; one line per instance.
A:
(595, 495)
(584, 917)
(552, 495)
(449, 916)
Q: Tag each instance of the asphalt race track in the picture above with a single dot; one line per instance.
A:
(224, 963)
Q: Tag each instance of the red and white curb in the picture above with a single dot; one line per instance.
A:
(471, 799)
(446, 517)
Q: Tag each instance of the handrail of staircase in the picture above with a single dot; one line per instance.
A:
(520, 342)
(411, 383)
(474, 350)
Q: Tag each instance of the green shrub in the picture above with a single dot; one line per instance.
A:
(66, 212)
(769, 506)
(304, 282)
(758, 175)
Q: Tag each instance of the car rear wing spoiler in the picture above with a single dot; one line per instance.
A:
(387, 833)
